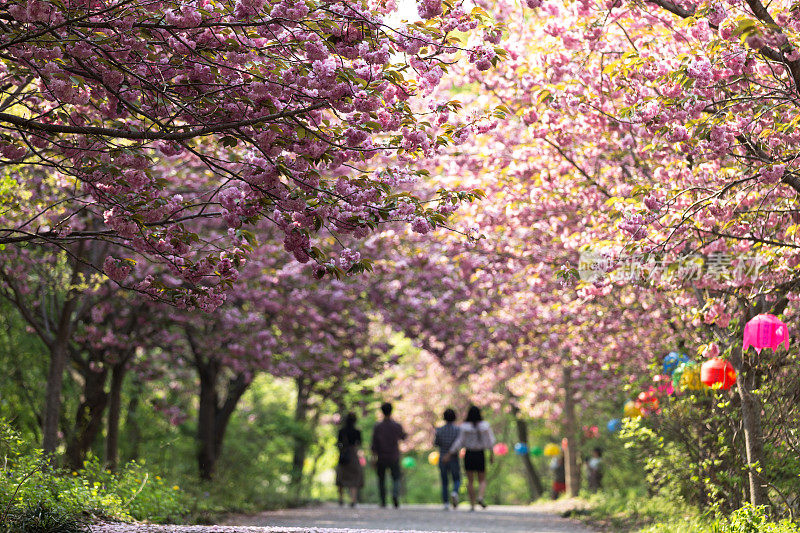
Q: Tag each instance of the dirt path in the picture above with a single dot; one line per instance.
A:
(541, 518)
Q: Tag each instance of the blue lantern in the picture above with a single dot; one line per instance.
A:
(521, 448)
(672, 360)
(614, 425)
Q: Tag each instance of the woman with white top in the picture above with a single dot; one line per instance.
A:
(476, 437)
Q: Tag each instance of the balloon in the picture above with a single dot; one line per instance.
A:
(537, 451)
(552, 450)
(765, 331)
(433, 458)
(408, 462)
(614, 425)
(500, 449)
(718, 373)
(631, 410)
(521, 448)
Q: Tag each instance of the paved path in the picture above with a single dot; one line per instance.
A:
(541, 518)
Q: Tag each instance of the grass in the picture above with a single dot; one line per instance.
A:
(633, 511)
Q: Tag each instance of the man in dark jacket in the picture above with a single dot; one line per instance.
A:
(385, 438)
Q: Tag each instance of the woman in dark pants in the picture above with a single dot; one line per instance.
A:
(476, 437)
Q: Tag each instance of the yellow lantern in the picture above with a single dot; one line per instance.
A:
(552, 450)
(631, 410)
(433, 458)
(689, 377)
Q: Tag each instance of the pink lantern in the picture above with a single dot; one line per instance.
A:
(500, 449)
(765, 331)
(664, 385)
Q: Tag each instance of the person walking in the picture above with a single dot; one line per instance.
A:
(594, 469)
(386, 437)
(559, 476)
(476, 437)
(445, 436)
(349, 472)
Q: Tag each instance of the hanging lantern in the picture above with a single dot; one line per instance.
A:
(614, 425)
(521, 448)
(664, 385)
(462, 453)
(765, 331)
(647, 401)
(687, 377)
(537, 451)
(362, 460)
(408, 462)
(631, 410)
(552, 450)
(500, 449)
(718, 374)
(433, 458)
(672, 360)
(591, 432)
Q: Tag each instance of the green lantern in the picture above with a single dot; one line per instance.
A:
(408, 462)
(537, 451)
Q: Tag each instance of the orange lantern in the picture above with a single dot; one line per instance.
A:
(718, 374)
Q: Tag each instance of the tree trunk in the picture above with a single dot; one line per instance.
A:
(114, 412)
(236, 388)
(133, 434)
(206, 438)
(753, 435)
(88, 418)
(52, 398)
(55, 379)
(535, 488)
(573, 473)
(300, 442)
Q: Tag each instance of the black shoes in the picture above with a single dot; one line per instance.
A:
(482, 503)
(396, 503)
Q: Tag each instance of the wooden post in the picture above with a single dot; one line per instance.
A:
(570, 442)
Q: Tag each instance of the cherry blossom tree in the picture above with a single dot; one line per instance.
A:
(130, 124)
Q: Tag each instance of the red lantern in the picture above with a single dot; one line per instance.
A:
(718, 373)
(765, 331)
(647, 401)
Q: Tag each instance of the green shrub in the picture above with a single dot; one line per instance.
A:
(751, 519)
(34, 492)
(41, 518)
